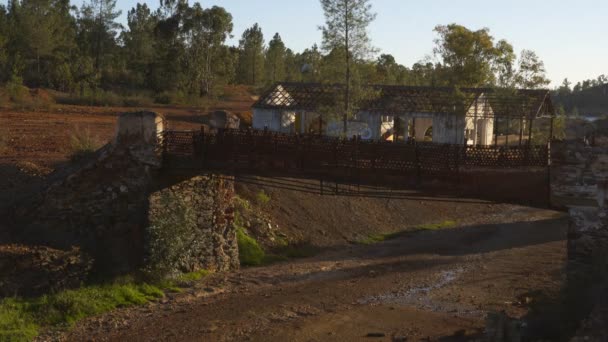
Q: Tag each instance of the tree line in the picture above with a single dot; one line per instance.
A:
(181, 48)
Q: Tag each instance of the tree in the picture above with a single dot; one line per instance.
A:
(531, 73)
(4, 37)
(470, 58)
(565, 89)
(139, 43)
(346, 23)
(251, 60)
(275, 59)
(206, 31)
(98, 30)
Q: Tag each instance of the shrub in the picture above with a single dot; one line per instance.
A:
(82, 143)
(102, 98)
(262, 197)
(250, 252)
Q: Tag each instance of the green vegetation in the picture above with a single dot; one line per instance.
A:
(21, 319)
(250, 252)
(193, 276)
(262, 197)
(376, 238)
(179, 53)
(82, 143)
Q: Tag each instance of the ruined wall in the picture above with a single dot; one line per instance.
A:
(579, 175)
(125, 212)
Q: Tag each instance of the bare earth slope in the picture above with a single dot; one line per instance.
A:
(434, 284)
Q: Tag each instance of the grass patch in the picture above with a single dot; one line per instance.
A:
(21, 319)
(194, 276)
(377, 238)
(250, 252)
(82, 143)
(262, 197)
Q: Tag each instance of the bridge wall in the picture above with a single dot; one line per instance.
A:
(579, 179)
(126, 214)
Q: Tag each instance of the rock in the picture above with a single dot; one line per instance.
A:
(376, 334)
(222, 119)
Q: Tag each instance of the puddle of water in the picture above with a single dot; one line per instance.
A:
(420, 296)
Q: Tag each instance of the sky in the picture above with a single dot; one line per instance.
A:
(571, 37)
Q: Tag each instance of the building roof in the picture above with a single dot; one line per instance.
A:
(393, 100)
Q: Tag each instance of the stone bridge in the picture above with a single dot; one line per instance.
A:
(125, 212)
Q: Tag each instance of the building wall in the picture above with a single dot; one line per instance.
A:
(479, 123)
(274, 120)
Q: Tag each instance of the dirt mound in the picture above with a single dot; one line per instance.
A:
(326, 220)
(31, 271)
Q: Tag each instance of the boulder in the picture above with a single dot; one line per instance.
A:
(221, 119)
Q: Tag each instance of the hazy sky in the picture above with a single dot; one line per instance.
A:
(571, 37)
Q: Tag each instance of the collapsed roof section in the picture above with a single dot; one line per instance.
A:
(398, 100)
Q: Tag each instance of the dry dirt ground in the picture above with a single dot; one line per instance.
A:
(433, 285)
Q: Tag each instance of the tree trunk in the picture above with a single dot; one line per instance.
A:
(347, 95)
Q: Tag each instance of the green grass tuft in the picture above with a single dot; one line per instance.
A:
(436, 226)
(16, 323)
(250, 252)
(194, 276)
(377, 238)
(262, 197)
(21, 319)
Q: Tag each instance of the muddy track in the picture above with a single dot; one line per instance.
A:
(434, 284)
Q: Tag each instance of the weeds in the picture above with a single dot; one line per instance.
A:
(250, 252)
(262, 197)
(82, 143)
(380, 237)
(21, 319)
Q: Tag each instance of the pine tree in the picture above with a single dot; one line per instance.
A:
(251, 59)
(275, 60)
(346, 23)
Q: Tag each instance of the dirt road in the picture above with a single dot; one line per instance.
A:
(432, 285)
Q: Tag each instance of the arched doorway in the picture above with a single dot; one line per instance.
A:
(428, 135)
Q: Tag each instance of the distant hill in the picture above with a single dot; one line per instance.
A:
(589, 102)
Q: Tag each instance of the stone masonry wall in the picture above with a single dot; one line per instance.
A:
(190, 226)
(579, 179)
(122, 204)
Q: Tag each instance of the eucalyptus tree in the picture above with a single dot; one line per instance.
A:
(206, 31)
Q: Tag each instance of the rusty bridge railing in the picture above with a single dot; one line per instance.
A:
(272, 152)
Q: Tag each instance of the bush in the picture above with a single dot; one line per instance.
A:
(250, 252)
(262, 197)
(103, 98)
(82, 143)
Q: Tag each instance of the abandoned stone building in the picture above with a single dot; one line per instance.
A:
(470, 116)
